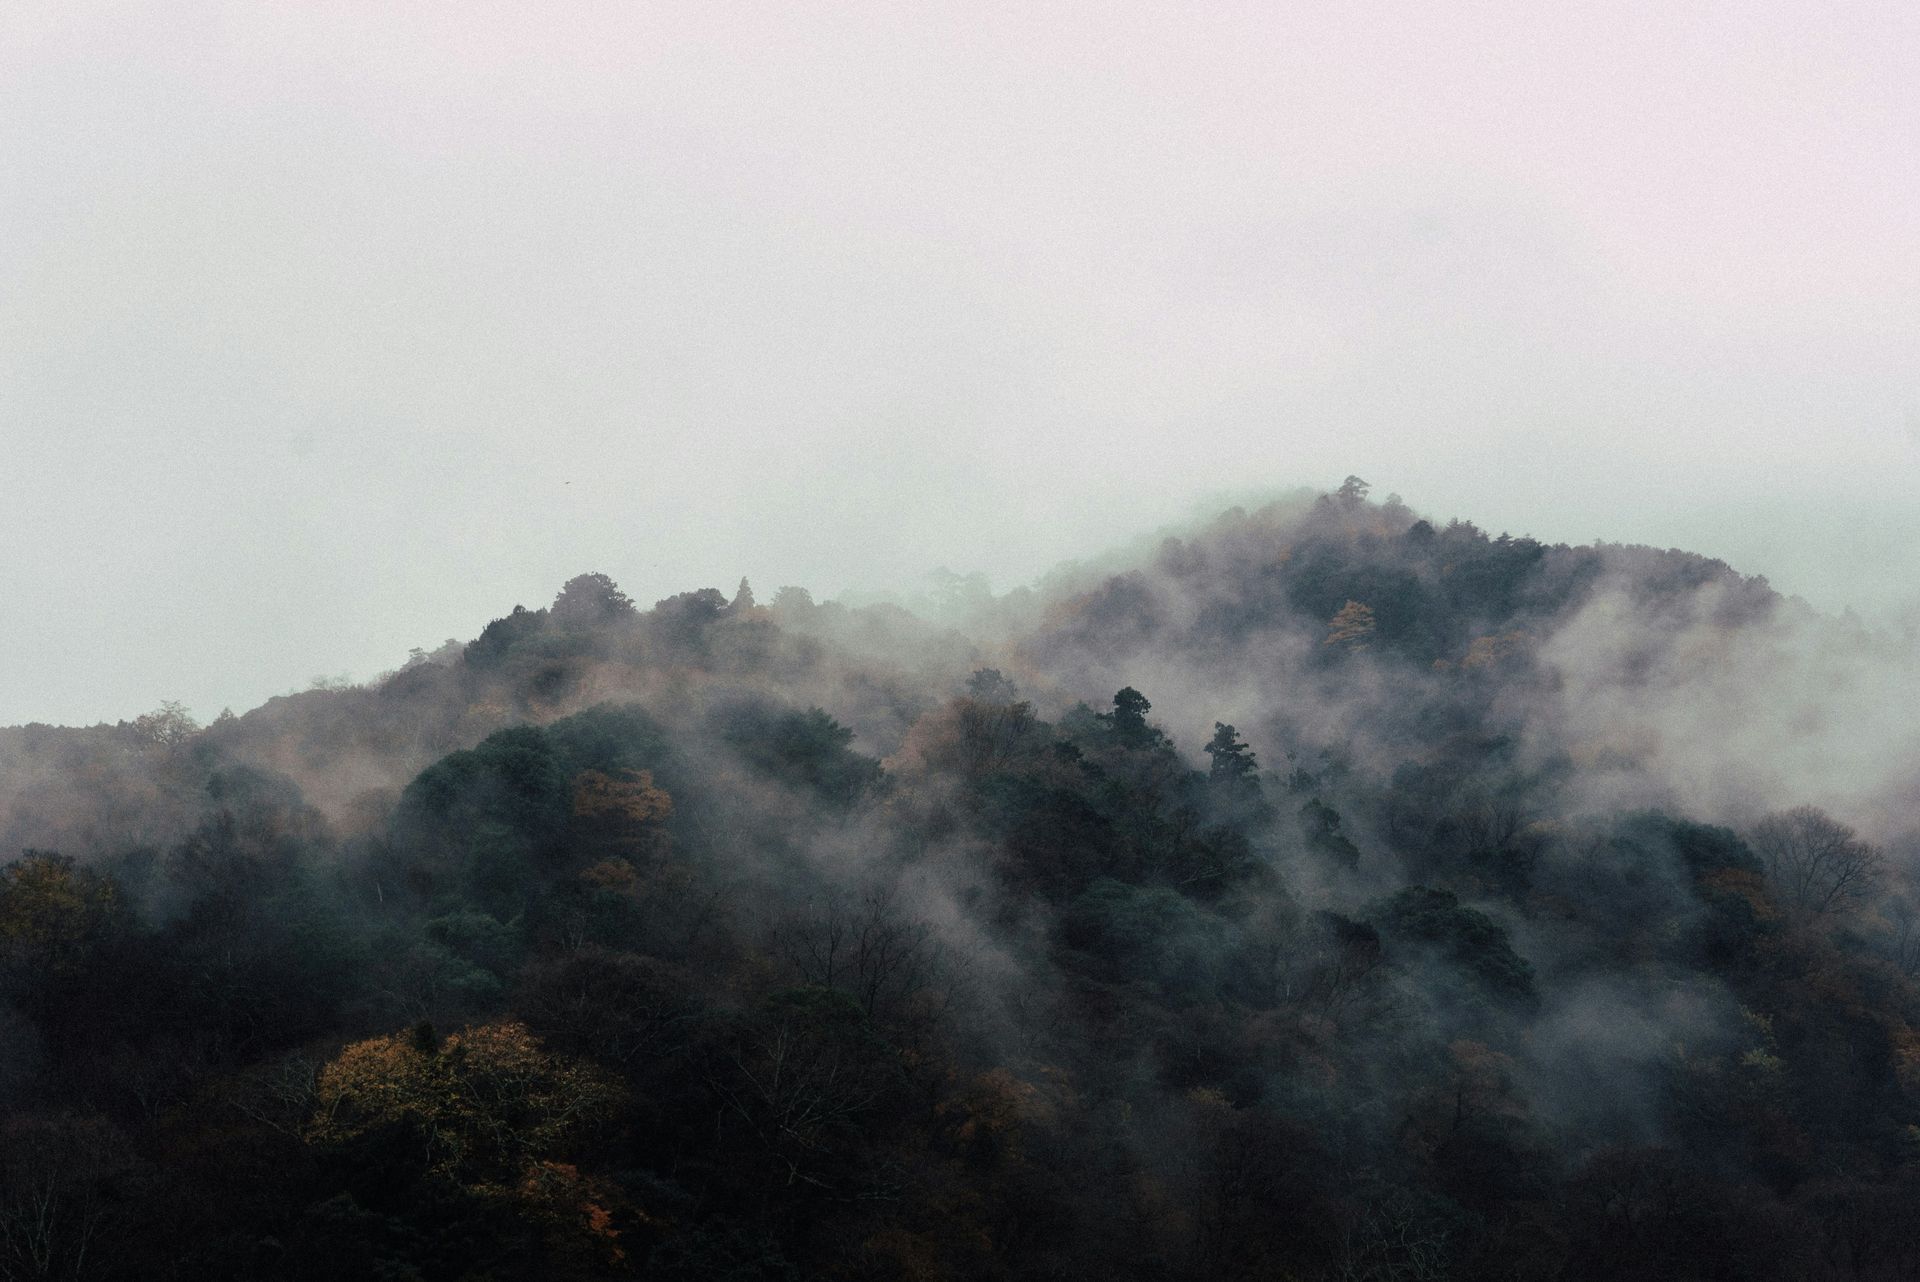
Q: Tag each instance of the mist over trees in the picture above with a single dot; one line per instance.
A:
(1324, 893)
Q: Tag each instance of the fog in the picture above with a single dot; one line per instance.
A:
(1445, 922)
(332, 332)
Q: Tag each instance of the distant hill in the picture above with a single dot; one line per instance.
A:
(1326, 892)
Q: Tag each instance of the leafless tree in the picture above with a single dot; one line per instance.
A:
(52, 1205)
(1390, 1240)
(1491, 824)
(1817, 864)
(1324, 966)
(281, 1095)
(167, 726)
(992, 735)
(798, 1078)
(620, 1007)
(888, 961)
(1903, 933)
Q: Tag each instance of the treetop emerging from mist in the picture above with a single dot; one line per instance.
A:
(590, 599)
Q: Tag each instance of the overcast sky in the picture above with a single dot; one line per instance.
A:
(327, 330)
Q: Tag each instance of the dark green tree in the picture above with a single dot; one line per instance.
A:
(1321, 824)
(588, 600)
(1233, 781)
(1129, 718)
(1233, 761)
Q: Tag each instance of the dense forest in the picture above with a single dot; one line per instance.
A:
(1320, 892)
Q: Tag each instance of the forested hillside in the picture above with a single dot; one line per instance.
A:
(1327, 893)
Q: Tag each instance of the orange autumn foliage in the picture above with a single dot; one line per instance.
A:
(1352, 626)
(625, 796)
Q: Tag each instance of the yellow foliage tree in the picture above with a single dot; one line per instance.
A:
(1490, 652)
(625, 796)
(991, 1118)
(1351, 626)
(487, 1103)
(53, 914)
(622, 814)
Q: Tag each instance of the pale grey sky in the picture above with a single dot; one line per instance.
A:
(330, 330)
